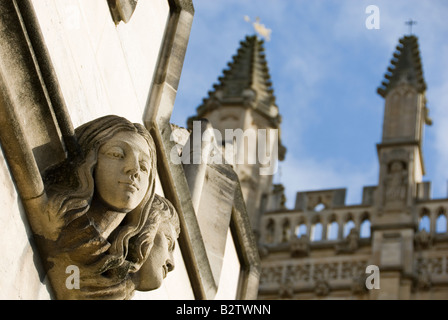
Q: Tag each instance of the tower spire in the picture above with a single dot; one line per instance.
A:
(241, 107)
(406, 67)
(246, 82)
(405, 114)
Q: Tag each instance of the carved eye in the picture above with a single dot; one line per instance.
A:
(143, 167)
(115, 153)
(171, 244)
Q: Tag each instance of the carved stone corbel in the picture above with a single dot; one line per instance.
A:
(103, 218)
(36, 133)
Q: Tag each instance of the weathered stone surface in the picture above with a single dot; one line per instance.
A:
(103, 216)
(21, 273)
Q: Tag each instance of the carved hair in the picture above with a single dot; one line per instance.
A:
(74, 199)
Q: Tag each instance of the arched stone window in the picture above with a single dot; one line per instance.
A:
(270, 231)
(332, 230)
(424, 223)
(316, 231)
(286, 230)
(350, 224)
(301, 229)
(441, 222)
(364, 231)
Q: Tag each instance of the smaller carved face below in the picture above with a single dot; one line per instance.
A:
(122, 171)
(160, 260)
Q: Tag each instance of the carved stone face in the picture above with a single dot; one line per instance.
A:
(160, 260)
(122, 171)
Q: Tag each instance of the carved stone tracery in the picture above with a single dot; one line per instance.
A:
(317, 277)
(322, 288)
(286, 289)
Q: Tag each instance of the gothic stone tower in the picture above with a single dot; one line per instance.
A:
(400, 152)
(241, 104)
(325, 249)
(401, 164)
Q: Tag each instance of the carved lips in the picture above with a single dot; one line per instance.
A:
(130, 185)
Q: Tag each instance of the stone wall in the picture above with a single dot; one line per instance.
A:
(102, 68)
(21, 275)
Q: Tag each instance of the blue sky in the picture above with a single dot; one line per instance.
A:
(325, 67)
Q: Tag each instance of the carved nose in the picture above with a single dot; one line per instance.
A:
(133, 172)
(132, 168)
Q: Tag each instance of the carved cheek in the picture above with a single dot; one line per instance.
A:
(157, 259)
(108, 173)
(104, 173)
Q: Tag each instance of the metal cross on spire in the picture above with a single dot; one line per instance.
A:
(260, 28)
(410, 23)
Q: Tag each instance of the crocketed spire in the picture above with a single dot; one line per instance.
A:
(246, 82)
(406, 67)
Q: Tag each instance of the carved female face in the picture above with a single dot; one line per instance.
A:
(160, 260)
(122, 171)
